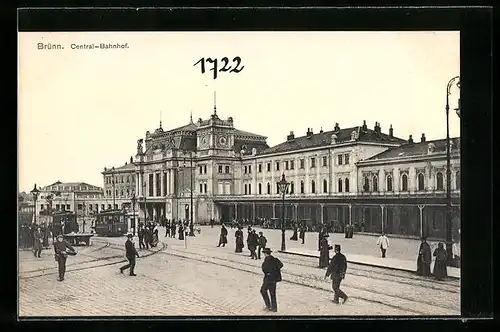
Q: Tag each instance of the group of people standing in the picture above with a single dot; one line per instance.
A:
(148, 235)
(255, 243)
(299, 232)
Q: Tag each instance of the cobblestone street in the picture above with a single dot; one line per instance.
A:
(205, 280)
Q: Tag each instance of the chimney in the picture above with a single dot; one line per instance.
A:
(309, 132)
(290, 137)
(131, 160)
(336, 128)
(410, 140)
(422, 139)
(377, 127)
(365, 128)
(391, 132)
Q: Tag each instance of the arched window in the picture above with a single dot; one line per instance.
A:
(246, 189)
(268, 188)
(346, 185)
(375, 183)
(457, 180)
(366, 186)
(249, 189)
(313, 187)
(301, 187)
(389, 182)
(260, 188)
(404, 182)
(291, 188)
(325, 186)
(439, 181)
(420, 178)
(340, 185)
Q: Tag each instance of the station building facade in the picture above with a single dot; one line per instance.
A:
(357, 175)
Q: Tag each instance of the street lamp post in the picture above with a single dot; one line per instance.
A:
(191, 225)
(134, 200)
(449, 216)
(35, 192)
(283, 189)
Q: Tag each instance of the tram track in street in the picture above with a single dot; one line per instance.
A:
(185, 254)
(54, 270)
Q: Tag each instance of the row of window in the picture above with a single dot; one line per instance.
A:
(203, 169)
(71, 188)
(120, 179)
(121, 193)
(67, 207)
(343, 185)
(224, 168)
(203, 188)
(373, 184)
(342, 159)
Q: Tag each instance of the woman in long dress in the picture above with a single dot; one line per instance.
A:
(239, 240)
(295, 235)
(223, 236)
(440, 271)
(424, 259)
(324, 252)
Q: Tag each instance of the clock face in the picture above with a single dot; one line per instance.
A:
(222, 141)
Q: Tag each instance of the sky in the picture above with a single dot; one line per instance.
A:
(81, 110)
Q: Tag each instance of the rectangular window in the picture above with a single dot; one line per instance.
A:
(269, 167)
(150, 186)
(165, 184)
(227, 169)
(204, 169)
(286, 165)
(220, 168)
(346, 159)
(245, 170)
(292, 165)
(313, 162)
(205, 188)
(277, 165)
(302, 163)
(249, 189)
(201, 188)
(339, 159)
(250, 169)
(158, 184)
(325, 161)
(260, 168)
(201, 169)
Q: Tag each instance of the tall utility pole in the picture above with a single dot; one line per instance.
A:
(191, 224)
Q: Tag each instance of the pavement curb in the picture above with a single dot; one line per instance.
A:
(358, 263)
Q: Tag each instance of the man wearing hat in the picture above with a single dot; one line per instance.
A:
(131, 253)
(336, 270)
(262, 244)
(272, 274)
(61, 247)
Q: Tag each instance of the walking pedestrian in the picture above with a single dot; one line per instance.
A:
(424, 259)
(141, 234)
(440, 272)
(223, 236)
(253, 243)
(324, 252)
(321, 234)
(61, 253)
(173, 229)
(383, 243)
(336, 270)
(238, 235)
(37, 242)
(131, 253)
(262, 243)
(294, 235)
(302, 234)
(167, 228)
(181, 231)
(272, 274)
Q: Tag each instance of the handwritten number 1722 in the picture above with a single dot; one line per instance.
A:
(215, 65)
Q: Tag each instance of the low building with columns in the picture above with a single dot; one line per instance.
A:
(355, 175)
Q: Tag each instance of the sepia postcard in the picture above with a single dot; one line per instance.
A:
(239, 174)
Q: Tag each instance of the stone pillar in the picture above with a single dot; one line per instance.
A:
(382, 184)
(421, 214)
(322, 206)
(297, 212)
(396, 180)
(253, 212)
(382, 214)
(155, 179)
(350, 214)
(235, 211)
(274, 210)
(162, 186)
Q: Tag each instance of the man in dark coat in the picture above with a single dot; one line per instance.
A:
(324, 252)
(262, 243)
(238, 235)
(173, 228)
(223, 236)
(148, 236)
(336, 270)
(424, 259)
(181, 231)
(167, 228)
(61, 254)
(141, 234)
(272, 274)
(322, 233)
(302, 233)
(253, 242)
(37, 244)
(130, 253)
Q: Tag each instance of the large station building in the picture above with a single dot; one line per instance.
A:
(357, 175)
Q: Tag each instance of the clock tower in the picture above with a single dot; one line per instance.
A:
(215, 136)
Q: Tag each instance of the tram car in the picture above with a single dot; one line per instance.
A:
(110, 223)
(64, 222)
